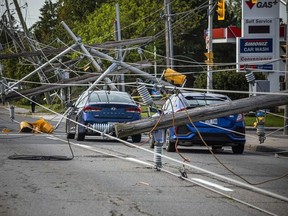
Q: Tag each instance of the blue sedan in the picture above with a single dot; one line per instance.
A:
(100, 110)
(218, 132)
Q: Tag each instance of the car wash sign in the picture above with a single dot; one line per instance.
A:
(256, 45)
(259, 43)
(254, 53)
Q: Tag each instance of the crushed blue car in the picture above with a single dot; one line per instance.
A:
(218, 132)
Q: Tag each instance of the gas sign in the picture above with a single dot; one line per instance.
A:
(258, 47)
(263, 8)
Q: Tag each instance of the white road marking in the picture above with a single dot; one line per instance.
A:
(212, 184)
(138, 161)
(52, 138)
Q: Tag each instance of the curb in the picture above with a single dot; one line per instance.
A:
(263, 148)
(250, 128)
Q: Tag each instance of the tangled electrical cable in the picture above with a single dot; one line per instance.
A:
(39, 157)
(43, 157)
(221, 163)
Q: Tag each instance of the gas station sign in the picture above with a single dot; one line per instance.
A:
(259, 43)
(256, 45)
(254, 53)
(267, 8)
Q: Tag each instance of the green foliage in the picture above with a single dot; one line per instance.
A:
(100, 24)
(226, 80)
(44, 29)
(72, 11)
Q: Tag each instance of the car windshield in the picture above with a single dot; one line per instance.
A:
(195, 101)
(110, 97)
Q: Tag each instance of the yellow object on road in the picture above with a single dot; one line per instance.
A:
(26, 127)
(43, 126)
(6, 130)
(36, 127)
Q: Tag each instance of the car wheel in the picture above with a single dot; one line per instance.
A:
(216, 149)
(170, 145)
(79, 136)
(239, 149)
(151, 142)
(70, 136)
(124, 138)
(67, 129)
(136, 138)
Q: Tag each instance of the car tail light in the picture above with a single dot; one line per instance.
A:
(176, 129)
(240, 117)
(91, 109)
(182, 109)
(134, 110)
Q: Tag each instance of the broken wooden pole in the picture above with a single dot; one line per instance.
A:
(201, 113)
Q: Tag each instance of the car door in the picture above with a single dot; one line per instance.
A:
(73, 114)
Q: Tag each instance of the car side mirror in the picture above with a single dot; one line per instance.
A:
(153, 109)
(69, 104)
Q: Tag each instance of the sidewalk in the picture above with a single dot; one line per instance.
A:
(275, 140)
(275, 143)
(37, 115)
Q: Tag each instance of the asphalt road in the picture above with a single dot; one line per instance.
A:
(109, 178)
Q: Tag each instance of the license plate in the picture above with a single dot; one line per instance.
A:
(212, 121)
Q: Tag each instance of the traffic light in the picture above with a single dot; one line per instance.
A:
(221, 9)
(210, 57)
(176, 77)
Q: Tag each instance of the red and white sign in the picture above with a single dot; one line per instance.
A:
(260, 22)
(263, 8)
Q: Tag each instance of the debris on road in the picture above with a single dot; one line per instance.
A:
(36, 127)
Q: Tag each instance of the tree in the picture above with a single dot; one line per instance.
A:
(144, 18)
(72, 11)
(44, 29)
(227, 80)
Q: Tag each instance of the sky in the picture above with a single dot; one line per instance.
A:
(33, 10)
(30, 11)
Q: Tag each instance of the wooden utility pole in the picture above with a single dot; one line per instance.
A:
(91, 77)
(119, 52)
(201, 113)
(168, 34)
(285, 130)
(55, 51)
(36, 61)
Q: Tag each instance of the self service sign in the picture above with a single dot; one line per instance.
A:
(260, 18)
(258, 45)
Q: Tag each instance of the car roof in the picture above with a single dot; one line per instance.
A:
(107, 91)
(202, 94)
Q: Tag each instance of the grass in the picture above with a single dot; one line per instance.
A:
(271, 120)
(55, 107)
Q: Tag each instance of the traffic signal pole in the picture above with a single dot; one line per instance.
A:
(210, 46)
